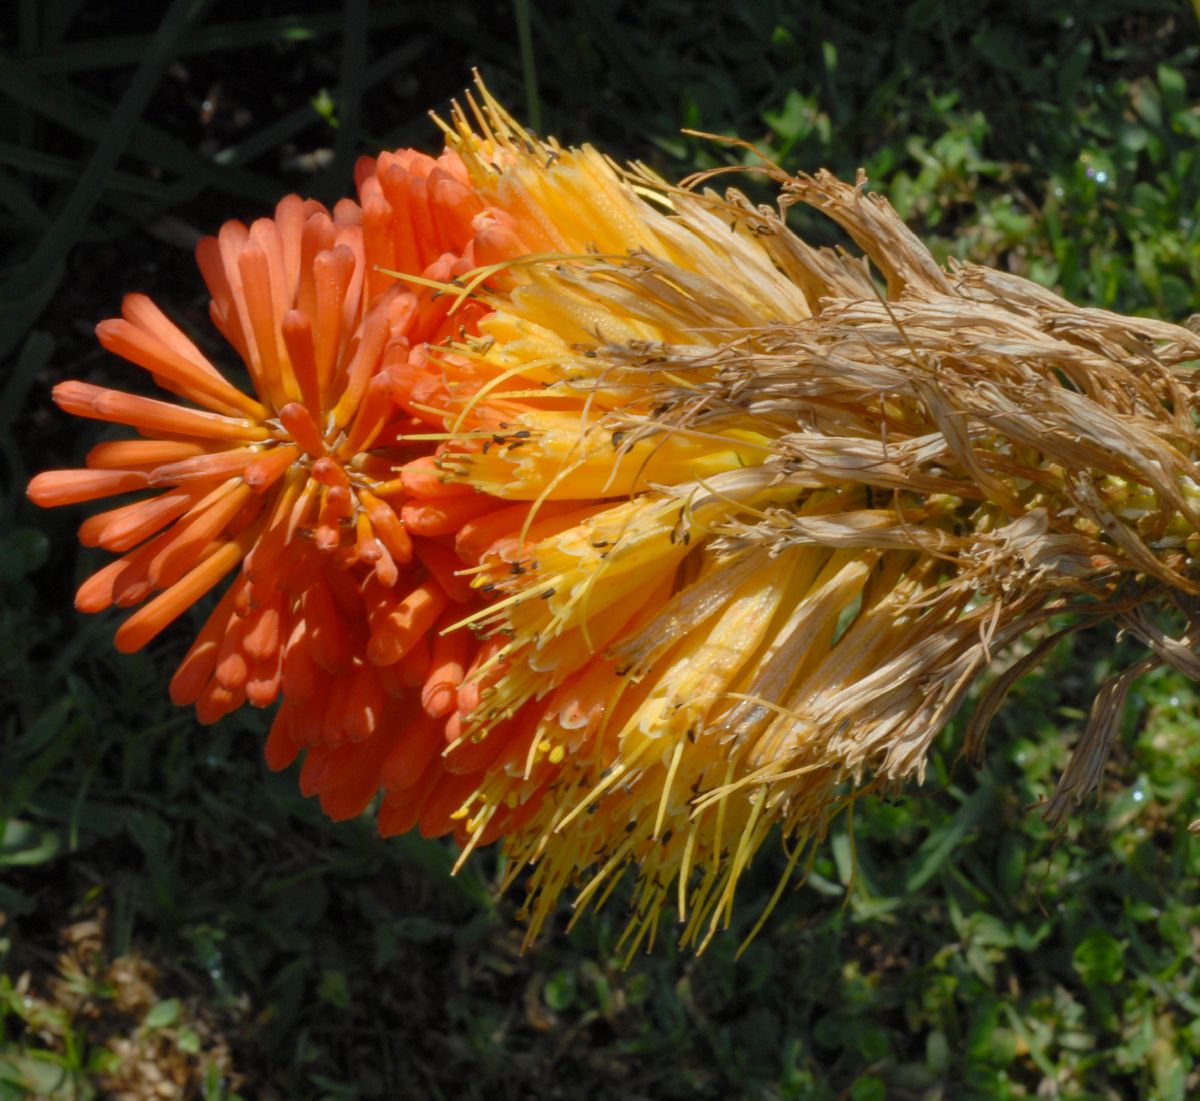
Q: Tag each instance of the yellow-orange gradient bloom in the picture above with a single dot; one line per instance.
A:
(438, 543)
(319, 494)
(613, 519)
(571, 508)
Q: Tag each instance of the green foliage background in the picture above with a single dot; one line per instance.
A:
(947, 944)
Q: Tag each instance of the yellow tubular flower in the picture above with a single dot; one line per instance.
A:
(641, 657)
(581, 287)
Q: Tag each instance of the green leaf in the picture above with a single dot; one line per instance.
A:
(24, 843)
(560, 990)
(1177, 296)
(1174, 88)
(1100, 959)
(47, 726)
(868, 1088)
(939, 846)
(334, 988)
(41, 1077)
(35, 354)
(419, 930)
(793, 121)
(162, 1014)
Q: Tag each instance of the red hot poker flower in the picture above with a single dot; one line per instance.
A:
(322, 487)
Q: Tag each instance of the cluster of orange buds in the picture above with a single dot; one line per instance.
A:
(319, 491)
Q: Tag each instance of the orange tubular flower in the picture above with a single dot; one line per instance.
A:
(322, 487)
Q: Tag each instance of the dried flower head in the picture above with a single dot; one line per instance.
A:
(828, 509)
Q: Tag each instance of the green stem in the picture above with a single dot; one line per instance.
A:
(533, 103)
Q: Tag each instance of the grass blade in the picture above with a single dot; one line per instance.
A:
(349, 99)
(533, 103)
(70, 221)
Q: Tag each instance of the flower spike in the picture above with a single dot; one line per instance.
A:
(612, 519)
